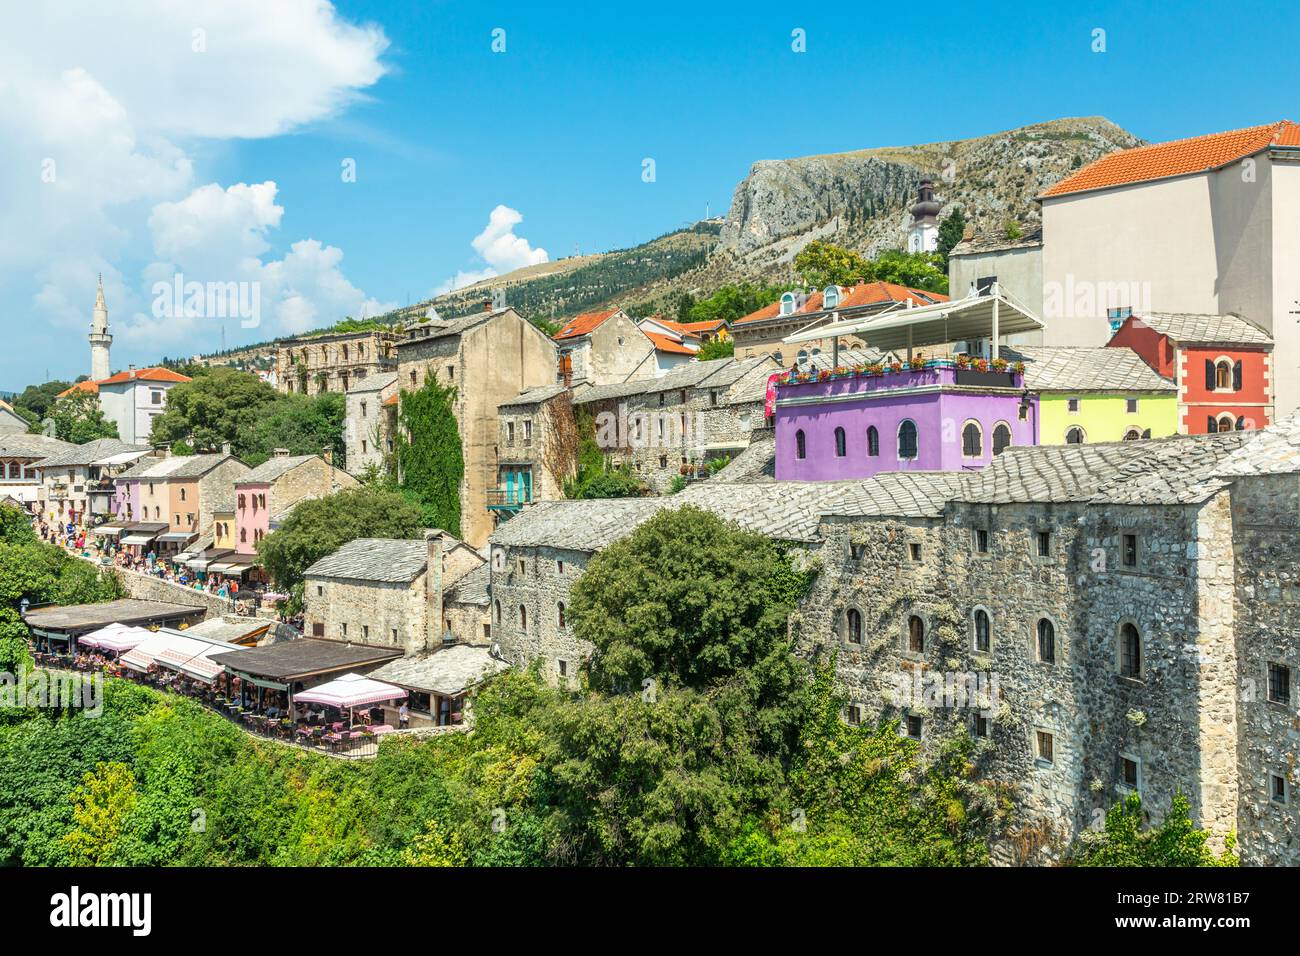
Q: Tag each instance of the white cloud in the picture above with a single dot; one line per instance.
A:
(104, 108)
(500, 248)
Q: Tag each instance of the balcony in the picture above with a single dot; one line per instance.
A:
(869, 381)
(506, 502)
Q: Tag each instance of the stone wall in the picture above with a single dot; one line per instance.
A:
(538, 580)
(366, 612)
(146, 588)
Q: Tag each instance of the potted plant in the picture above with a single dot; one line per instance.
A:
(916, 363)
(895, 367)
(999, 364)
(963, 361)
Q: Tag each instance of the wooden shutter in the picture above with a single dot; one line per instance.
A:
(1211, 424)
(1236, 376)
(1209, 375)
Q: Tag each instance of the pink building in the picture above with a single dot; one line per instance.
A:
(271, 489)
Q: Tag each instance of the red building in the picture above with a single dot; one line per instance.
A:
(1223, 366)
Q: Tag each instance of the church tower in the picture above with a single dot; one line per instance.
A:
(99, 338)
(923, 236)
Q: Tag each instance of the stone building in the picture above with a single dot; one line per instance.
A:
(600, 348)
(333, 362)
(368, 422)
(181, 492)
(660, 427)
(19, 453)
(386, 592)
(537, 450)
(275, 486)
(76, 485)
(489, 357)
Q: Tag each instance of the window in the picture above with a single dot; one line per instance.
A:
(365, 632)
(559, 567)
(980, 725)
(1277, 788)
(802, 357)
(523, 567)
(800, 445)
(787, 303)
(155, 397)
(528, 430)
(563, 667)
(1226, 424)
(1129, 557)
(1044, 543)
(841, 443)
(1222, 374)
(523, 618)
(345, 628)
(318, 629)
(1130, 651)
(1132, 435)
(1279, 683)
(241, 500)
(1074, 436)
(243, 535)
(559, 607)
(907, 439)
(320, 590)
(1046, 641)
(854, 714)
(713, 397)
(981, 541)
(915, 635)
(873, 442)
(831, 297)
(914, 726)
(451, 372)
(1023, 411)
(982, 639)
(510, 433)
(1072, 404)
(1001, 438)
(914, 550)
(1129, 775)
(972, 441)
(853, 626)
(1045, 746)
(496, 611)
(1131, 405)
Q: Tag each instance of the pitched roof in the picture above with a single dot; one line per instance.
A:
(23, 445)
(196, 466)
(1164, 471)
(721, 373)
(998, 242)
(448, 671)
(1103, 369)
(693, 328)
(1274, 450)
(532, 396)
(303, 657)
(904, 494)
(756, 463)
(374, 383)
(1187, 328)
(583, 324)
(860, 296)
(472, 587)
(90, 451)
(386, 560)
(273, 468)
(1180, 157)
(155, 374)
(663, 343)
(438, 328)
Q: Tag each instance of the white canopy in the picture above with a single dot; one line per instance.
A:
(95, 638)
(122, 457)
(146, 653)
(201, 665)
(350, 690)
(125, 640)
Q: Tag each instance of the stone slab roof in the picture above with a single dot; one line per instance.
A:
(175, 466)
(231, 629)
(991, 242)
(273, 468)
(1064, 369)
(1274, 450)
(81, 618)
(374, 383)
(1165, 471)
(904, 494)
(575, 525)
(532, 396)
(439, 328)
(22, 445)
(304, 657)
(755, 463)
(386, 560)
(687, 375)
(90, 451)
(449, 671)
(472, 587)
(1194, 329)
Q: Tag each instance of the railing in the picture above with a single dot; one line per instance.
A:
(508, 497)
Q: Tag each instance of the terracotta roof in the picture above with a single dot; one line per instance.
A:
(663, 343)
(859, 296)
(584, 324)
(693, 328)
(1180, 157)
(156, 374)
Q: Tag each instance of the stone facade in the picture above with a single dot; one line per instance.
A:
(367, 425)
(603, 348)
(537, 453)
(333, 363)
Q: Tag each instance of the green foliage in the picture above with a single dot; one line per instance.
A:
(952, 228)
(1175, 842)
(594, 476)
(79, 419)
(15, 526)
(732, 302)
(100, 807)
(1011, 230)
(821, 263)
(349, 324)
(320, 526)
(35, 402)
(716, 349)
(430, 459)
(302, 424)
(435, 847)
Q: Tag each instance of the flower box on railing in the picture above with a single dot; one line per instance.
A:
(962, 371)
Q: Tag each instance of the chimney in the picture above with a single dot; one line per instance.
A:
(432, 591)
(487, 305)
(280, 453)
(225, 448)
(162, 450)
(328, 454)
(969, 232)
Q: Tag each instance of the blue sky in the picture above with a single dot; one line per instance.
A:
(443, 130)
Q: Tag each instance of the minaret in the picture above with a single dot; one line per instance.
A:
(923, 236)
(99, 338)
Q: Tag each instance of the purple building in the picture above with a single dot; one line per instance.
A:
(126, 499)
(854, 423)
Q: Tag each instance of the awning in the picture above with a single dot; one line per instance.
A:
(138, 538)
(122, 457)
(176, 536)
(201, 666)
(108, 630)
(350, 690)
(988, 315)
(125, 640)
(147, 652)
(112, 527)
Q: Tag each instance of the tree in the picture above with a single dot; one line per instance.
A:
(593, 476)
(916, 270)
(36, 401)
(952, 229)
(1175, 842)
(302, 424)
(79, 419)
(716, 349)
(732, 302)
(822, 263)
(100, 808)
(320, 526)
(222, 405)
(435, 847)
(430, 460)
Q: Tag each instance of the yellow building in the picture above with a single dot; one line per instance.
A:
(1090, 395)
(223, 529)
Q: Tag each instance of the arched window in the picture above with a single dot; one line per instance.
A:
(800, 445)
(873, 442)
(915, 634)
(982, 630)
(1046, 641)
(853, 625)
(523, 618)
(1132, 435)
(802, 357)
(1223, 374)
(243, 535)
(841, 443)
(1074, 436)
(787, 304)
(831, 297)
(1001, 438)
(972, 441)
(560, 608)
(1130, 651)
(1227, 423)
(907, 439)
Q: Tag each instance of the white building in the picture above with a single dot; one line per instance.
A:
(923, 234)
